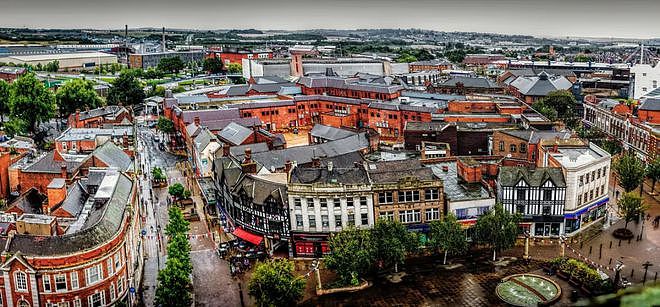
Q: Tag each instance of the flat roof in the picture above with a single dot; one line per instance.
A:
(577, 156)
(61, 56)
(455, 190)
(36, 218)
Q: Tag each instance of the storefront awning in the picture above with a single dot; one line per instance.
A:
(247, 236)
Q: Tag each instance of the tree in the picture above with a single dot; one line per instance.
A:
(273, 283)
(613, 147)
(126, 89)
(234, 68)
(564, 103)
(351, 254)
(455, 56)
(15, 126)
(153, 73)
(653, 172)
(177, 223)
(31, 101)
(171, 64)
(157, 173)
(165, 125)
(497, 229)
(173, 285)
(179, 247)
(213, 65)
(629, 171)
(176, 190)
(392, 242)
(630, 207)
(449, 236)
(4, 100)
(77, 94)
(53, 66)
(546, 110)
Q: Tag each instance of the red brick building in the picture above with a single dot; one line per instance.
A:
(10, 74)
(236, 56)
(84, 261)
(649, 111)
(431, 65)
(97, 118)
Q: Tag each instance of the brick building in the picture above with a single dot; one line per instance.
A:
(9, 73)
(90, 259)
(236, 56)
(99, 117)
(523, 145)
(438, 65)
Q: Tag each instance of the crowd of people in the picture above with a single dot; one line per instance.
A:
(240, 255)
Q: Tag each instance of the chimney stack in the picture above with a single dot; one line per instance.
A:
(248, 166)
(316, 162)
(196, 120)
(225, 150)
(330, 166)
(288, 166)
(63, 170)
(56, 192)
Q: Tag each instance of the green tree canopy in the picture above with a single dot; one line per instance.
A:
(630, 171)
(449, 236)
(234, 68)
(630, 207)
(546, 110)
(456, 55)
(173, 285)
(351, 254)
(126, 89)
(564, 103)
(165, 125)
(53, 66)
(497, 228)
(31, 101)
(15, 126)
(152, 73)
(157, 173)
(171, 64)
(179, 247)
(392, 242)
(653, 172)
(273, 284)
(177, 224)
(4, 100)
(213, 65)
(77, 94)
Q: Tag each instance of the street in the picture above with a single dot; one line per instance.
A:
(213, 284)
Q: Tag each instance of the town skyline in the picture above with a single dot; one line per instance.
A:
(632, 20)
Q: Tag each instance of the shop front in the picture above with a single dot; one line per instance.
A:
(310, 245)
(585, 217)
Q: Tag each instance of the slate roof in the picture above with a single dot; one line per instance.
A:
(426, 126)
(650, 104)
(75, 199)
(393, 171)
(344, 171)
(113, 156)
(431, 62)
(239, 150)
(210, 114)
(469, 82)
(204, 138)
(102, 225)
(541, 85)
(330, 133)
(533, 137)
(12, 70)
(30, 201)
(258, 105)
(102, 111)
(653, 93)
(276, 159)
(260, 189)
(249, 122)
(536, 71)
(235, 134)
(510, 176)
(48, 164)
(193, 129)
(315, 81)
(328, 98)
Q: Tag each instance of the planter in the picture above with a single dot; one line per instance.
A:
(574, 283)
(586, 291)
(623, 234)
(563, 275)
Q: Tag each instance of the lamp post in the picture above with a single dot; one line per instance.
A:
(646, 266)
(526, 255)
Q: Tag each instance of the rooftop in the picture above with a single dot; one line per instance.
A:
(455, 190)
(62, 56)
(575, 157)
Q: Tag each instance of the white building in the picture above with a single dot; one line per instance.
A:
(645, 79)
(586, 171)
(67, 61)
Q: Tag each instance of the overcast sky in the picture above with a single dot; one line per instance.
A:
(595, 18)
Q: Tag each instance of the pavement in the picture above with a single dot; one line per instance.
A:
(212, 282)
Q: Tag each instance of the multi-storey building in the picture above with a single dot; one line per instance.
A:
(646, 79)
(254, 206)
(638, 137)
(90, 259)
(146, 60)
(523, 145)
(407, 192)
(538, 195)
(586, 172)
(327, 196)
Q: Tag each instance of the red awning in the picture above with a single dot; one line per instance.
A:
(247, 236)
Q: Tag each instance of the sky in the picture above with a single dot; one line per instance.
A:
(554, 18)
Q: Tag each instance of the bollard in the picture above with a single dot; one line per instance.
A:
(632, 273)
(610, 261)
(610, 243)
(590, 250)
(629, 240)
(656, 277)
(600, 252)
(581, 245)
(619, 242)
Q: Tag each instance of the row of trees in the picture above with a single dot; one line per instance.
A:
(27, 102)
(356, 252)
(174, 283)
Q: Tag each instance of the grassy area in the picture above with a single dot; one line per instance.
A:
(107, 79)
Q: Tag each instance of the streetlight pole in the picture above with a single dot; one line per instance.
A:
(617, 276)
(646, 266)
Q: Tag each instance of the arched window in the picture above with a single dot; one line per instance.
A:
(21, 281)
(23, 303)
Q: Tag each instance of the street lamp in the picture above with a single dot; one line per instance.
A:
(646, 266)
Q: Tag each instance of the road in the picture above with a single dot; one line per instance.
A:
(213, 284)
